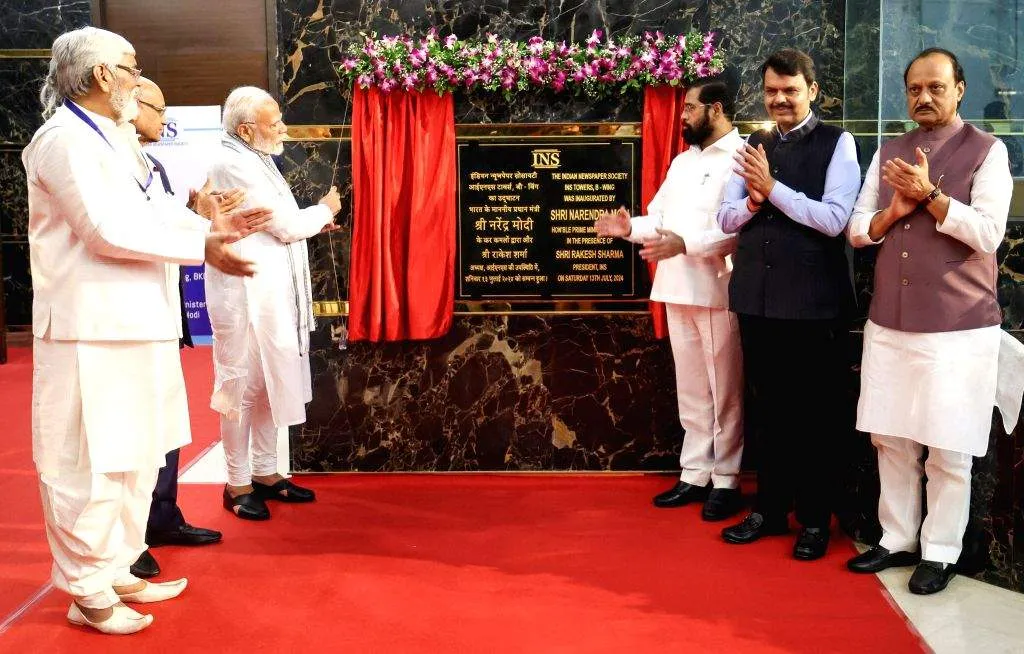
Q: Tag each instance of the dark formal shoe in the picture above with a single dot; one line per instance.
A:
(878, 558)
(811, 544)
(185, 534)
(284, 490)
(930, 577)
(247, 507)
(722, 503)
(680, 495)
(753, 527)
(145, 567)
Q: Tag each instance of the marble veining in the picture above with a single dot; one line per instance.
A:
(33, 24)
(20, 111)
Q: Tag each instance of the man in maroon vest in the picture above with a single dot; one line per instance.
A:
(936, 199)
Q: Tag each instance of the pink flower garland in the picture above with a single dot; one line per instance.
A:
(596, 69)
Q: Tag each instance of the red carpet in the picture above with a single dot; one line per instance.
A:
(419, 563)
(24, 556)
(429, 563)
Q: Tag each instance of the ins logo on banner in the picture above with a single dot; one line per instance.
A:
(546, 159)
(170, 131)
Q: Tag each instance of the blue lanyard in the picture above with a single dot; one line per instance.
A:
(75, 109)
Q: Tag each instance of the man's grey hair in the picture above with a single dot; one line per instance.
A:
(241, 106)
(74, 55)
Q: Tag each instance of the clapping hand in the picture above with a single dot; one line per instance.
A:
(664, 246)
(613, 224)
(204, 200)
(755, 170)
(910, 180)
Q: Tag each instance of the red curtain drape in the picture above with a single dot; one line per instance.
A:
(662, 131)
(401, 283)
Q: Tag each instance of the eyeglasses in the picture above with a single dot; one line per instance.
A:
(689, 108)
(159, 110)
(136, 73)
(274, 125)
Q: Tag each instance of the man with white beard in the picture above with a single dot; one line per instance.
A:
(108, 396)
(261, 325)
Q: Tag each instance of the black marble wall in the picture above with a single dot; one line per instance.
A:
(24, 25)
(569, 392)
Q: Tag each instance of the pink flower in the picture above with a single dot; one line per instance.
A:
(349, 64)
(594, 40)
(702, 70)
(535, 45)
(418, 57)
(409, 82)
(387, 85)
(450, 40)
(558, 83)
(364, 81)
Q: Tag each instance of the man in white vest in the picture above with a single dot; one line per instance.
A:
(692, 279)
(261, 325)
(108, 396)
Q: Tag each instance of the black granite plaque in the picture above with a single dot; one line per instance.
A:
(526, 218)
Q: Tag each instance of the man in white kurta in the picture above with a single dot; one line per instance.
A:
(937, 200)
(261, 325)
(108, 394)
(692, 279)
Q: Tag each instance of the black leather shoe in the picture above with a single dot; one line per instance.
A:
(811, 544)
(284, 490)
(930, 577)
(878, 558)
(753, 527)
(722, 503)
(185, 534)
(680, 495)
(247, 507)
(145, 567)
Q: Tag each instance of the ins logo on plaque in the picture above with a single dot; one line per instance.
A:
(546, 159)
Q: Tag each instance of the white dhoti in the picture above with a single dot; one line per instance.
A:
(934, 390)
(252, 422)
(104, 414)
(709, 385)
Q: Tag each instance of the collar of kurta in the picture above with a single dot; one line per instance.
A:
(805, 127)
(728, 142)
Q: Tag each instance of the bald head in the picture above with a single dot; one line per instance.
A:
(150, 122)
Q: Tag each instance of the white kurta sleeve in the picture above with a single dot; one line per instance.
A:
(288, 223)
(643, 227)
(178, 215)
(865, 209)
(712, 242)
(108, 225)
(982, 223)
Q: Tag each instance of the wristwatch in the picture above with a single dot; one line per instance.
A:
(936, 192)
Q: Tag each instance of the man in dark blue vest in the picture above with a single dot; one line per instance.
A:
(790, 200)
(166, 525)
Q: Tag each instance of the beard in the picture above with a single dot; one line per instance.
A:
(122, 101)
(698, 133)
(267, 146)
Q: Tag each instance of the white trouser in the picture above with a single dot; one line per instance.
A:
(899, 505)
(96, 527)
(255, 418)
(709, 384)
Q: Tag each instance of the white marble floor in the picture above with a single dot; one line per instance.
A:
(969, 617)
